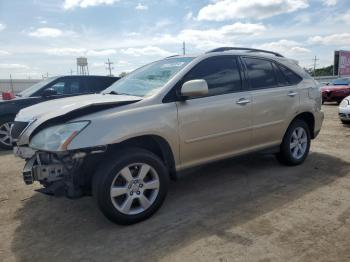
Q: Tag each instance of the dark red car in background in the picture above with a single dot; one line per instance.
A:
(336, 91)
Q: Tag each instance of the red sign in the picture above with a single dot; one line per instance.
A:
(344, 63)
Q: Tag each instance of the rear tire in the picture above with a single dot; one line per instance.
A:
(345, 122)
(5, 136)
(296, 144)
(130, 186)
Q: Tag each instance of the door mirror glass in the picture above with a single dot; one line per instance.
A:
(194, 88)
(49, 92)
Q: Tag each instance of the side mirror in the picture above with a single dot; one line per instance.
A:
(194, 88)
(49, 92)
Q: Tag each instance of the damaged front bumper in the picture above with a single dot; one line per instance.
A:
(58, 173)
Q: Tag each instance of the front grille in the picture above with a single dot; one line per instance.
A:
(17, 129)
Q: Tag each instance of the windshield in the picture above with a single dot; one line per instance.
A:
(342, 81)
(148, 79)
(34, 88)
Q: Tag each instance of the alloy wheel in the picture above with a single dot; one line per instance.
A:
(5, 134)
(298, 143)
(135, 188)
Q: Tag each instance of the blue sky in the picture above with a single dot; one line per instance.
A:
(39, 37)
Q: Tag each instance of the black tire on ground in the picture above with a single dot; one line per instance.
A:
(285, 156)
(108, 170)
(345, 122)
(4, 120)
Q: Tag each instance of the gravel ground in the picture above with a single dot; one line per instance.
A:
(245, 209)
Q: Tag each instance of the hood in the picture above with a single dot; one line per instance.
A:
(75, 106)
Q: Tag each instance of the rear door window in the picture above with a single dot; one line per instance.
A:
(96, 84)
(292, 78)
(280, 77)
(260, 72)
(75, 87)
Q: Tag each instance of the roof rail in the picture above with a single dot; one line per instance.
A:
(250, 50)
(171, 56)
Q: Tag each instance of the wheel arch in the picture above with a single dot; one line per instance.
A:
(309, 118)
(153, 143)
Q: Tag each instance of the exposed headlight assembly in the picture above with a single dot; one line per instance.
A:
(57, 138)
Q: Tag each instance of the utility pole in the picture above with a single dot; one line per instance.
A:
(184, 48)
(315, 63)
(11, 84)
(109, 67)
(71, 72)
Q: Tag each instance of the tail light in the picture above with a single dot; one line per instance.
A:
(7, 96)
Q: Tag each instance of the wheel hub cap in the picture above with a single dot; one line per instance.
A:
(298, 143)
(5, 134)
(134, 188)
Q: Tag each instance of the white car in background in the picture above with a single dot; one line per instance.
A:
(344, 110)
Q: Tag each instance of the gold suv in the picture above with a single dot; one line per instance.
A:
(124, 144)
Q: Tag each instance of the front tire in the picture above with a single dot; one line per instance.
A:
(296, 144)
(130, 186)
(5, 136)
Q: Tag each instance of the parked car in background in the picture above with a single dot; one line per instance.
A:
(336, 91)
(344, 110)
(48, 89)
(124, 144)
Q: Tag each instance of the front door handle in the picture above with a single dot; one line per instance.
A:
(292, 93)
(242, 101)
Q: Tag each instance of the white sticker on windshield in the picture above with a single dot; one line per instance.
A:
(178, 64)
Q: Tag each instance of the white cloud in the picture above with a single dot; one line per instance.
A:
(99, 65)
(146, 51)
(4, 53)
(285, 47)
(70, 4)
(2, 27)
(329, 2)
(105, 52)
(335, 39)
(141, 7)
(46, 32)
(257, 9)
(225, 35)
(189, 16)
(68, 51)
(13, 66)
(346, 17)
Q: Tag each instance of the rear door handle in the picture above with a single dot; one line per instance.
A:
(242, 101)
(292, 93)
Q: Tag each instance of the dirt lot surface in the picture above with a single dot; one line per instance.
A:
(246, 209)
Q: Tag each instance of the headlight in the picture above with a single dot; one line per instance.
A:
(57, 138)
